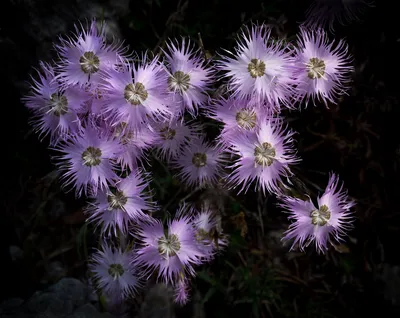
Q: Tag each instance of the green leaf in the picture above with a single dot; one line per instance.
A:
(208, 295)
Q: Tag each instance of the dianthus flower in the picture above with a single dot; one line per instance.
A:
(260, 68)
(115, 209)
(330, 218)
(171, 251)
(85, 55)
(189, 76)
(114, 274)
(200, 163)
(263, 156)
(322, 69)
(88, 161)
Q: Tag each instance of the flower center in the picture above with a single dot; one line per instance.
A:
(169, 245)
(320, 217)
(202, 235)
(180, 81)
(117, 201)
(315, 68)
(256, 68)
(264, 154)
(199, 159)
(124, 135)
(58, 104)
(127, 137)
(135, 94)
(89, 62)
(246, 118)
(167, 133)
(91, 156)
(116, 270)
(120, 129)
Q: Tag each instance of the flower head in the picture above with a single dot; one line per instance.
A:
(172, 136)
(171, 251)
(330, 218)
(189, 78)
(238, 116)
(88, 161)
(200, 163)
(322, 69)
(114, 274)
(115, 209)
(55, 109)
(136, 92)
(209, 232)
(260, 68)
(86, 55)
(263, 156)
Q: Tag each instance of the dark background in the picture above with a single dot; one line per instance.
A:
(359, 139)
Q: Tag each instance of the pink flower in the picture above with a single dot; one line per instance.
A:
(55, 109)
(172, 251)
(330, 219)
(85, 55)
(88, 161)
(114, 274)
(116, 209)
(322, 69)
(189, 77)
(260, 68)
(172, 136)
(200, 163)
(263, 156)
(208, 232)
(238, 116)
(136, 92)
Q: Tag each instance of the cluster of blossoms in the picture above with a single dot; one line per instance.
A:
(106, 110)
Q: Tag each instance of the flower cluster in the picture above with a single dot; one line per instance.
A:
(107, 111)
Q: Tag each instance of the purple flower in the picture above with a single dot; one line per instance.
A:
(208, 232)
(85, 56)
(134, 143)
(114, 274)
(115, 209)
(200, 163)
(55, 110)
(137, 92)
(172, 136)
(237, 114)
(172, 251)
(322, 69)
(87, 161)
(260, 68)
(188, 77)
(324, 13)
(331, 217)
(264, 156)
